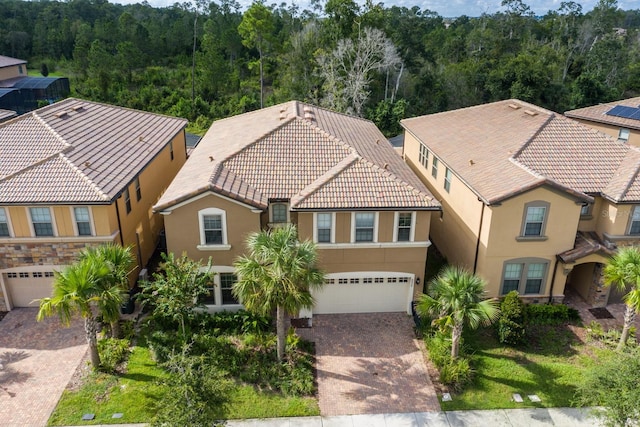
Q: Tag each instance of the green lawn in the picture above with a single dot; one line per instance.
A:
(134, 394)
(549, 366)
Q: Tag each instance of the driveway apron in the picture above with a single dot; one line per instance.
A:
(37, 360)
(370, 364)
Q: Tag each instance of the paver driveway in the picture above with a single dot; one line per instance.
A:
(370, 364)
(37, 361)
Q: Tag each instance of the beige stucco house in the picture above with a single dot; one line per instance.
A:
(619, 119)
(532, 201)
(335, 176)
(76, 174)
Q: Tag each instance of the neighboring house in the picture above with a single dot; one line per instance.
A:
(21, 93)
(620, 119)
(532, 201)
(6, 115)
(335, 176)
(77, 174)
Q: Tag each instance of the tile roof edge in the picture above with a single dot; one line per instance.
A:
(85, 178)
(118, 107)
(388, 174)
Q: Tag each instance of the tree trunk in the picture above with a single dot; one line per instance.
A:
(115, 329)
(91, 330)
(281, 332)
(456, 333)
(629, 317)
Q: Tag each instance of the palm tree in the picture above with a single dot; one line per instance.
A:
(456, 298)
(623, 271)
(79, 288)
(278, 273)
(119, 259)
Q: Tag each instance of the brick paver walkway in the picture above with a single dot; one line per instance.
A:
(37, 361)
(370, 364)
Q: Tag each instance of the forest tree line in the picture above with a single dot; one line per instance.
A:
(208, 60)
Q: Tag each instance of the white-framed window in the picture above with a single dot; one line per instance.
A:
(127, 199)
(535, 218)
(279, 213)
(634, 221)
(220, 288)
(525, 275)
(623, 134)
(447, 179)
(42, 222)
(138, 190)
(213, 227)
(82, 220)
(404, 226)
(226, 288)
(5, 228)
(423, 155)
(364, 227)
(434, 167)
(324, 228)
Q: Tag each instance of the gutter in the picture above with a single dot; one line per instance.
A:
(475, 261)
(119, 223)
(553, 280)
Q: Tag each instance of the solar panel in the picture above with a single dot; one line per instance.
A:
(625, 112)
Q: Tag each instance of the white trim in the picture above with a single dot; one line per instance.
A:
(382, 245)
(56, 239)
(53, 222)
(353, 228)
(213, 211)
(75, 223)
(412, 231)
(333, 227)
(168, 210)
(9, 226)
(213, 247)
(213, 308)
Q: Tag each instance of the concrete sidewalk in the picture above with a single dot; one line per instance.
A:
(533, 417)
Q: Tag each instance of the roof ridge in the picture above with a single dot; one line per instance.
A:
(48, 127)
(319, 182)
(258, 139)
(84, 177)
(629, 181)
(331, 111)
(331, 137)
(532, 137)
(396, 178)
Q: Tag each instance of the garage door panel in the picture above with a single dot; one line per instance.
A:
(26, 287)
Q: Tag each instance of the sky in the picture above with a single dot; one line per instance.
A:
(445, 8)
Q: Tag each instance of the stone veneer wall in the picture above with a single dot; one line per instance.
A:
(598, 294)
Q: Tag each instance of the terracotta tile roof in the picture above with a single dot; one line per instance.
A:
(598, 113)
(6, 114)
(6, 61)
(507, 147)
(78, 151)
(301, 153)
(586, 243)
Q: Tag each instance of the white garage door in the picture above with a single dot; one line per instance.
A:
(365, 292)
(26, 286)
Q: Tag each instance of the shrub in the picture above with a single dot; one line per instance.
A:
(232, 323)
(112, 351)
(456, 373)
(550, 314)
(439, 347)
(511, 329)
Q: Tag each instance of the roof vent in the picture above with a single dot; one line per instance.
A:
(211, 158)
(386, 165)
(530, 113)
(62, 115)
(77, 108)
(141, 138)
(514, 106)
(471, 162)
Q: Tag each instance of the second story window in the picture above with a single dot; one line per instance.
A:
(423, 156)
(212, 225)
(83, 220)
(364, 230)
(634, 223)
(138, 190)
(42, 221)
(404, 226)
(434, 167)
(127, 199)
(213, 229)
(4, 223)
(324, 227)
(535, 217)
(279, 212)
(623, 135)
(447, 179)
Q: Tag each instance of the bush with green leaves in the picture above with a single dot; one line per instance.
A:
(456, 373)
(232, 323)
(550, 314)
(113, 351)
(511, 325)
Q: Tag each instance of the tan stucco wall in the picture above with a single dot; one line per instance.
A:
(598, 211)
(183, 229)
(613, 131)
(13, 71)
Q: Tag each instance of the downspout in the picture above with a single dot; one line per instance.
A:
(119, 223)
(475, 261)
(553, 280)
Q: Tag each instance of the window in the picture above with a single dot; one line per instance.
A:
(364, 227)
(23, 275)
(434, 167)
(354, 281)
(279, 212)
(527, 276)
(535, 215)
(226, 286)
(324, 227)
(49, 274)
(210, 297)
(586, 209)
(447, 179)
(404, 227)
(37, 274)
(41, 220)
(634, 226)
(213, 229)
(623, 135)
(424, 155)
(138, 191)
(12, 275)
(83, 220)
(20, 71)
(127, 199)
(171, 149)
(4, 223)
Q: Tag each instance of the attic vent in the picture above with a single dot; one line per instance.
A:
(62, 115)
(530, 113)
(77, 108)
(514, 106)
(283, 113)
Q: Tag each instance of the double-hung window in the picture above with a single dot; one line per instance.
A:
(535, 276)
(213, 229)
(434, 167)
(83, 220)
(512, 275)
(42, 221)
(535, 218)
(634, 223)
(423, 155)
(364, 227)
(4, 223)
(138, 190)
(226, 287)
(127, 199)
(212, 225)
(447, 179)
(404, 226)
(526, 275)
(324, 227)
